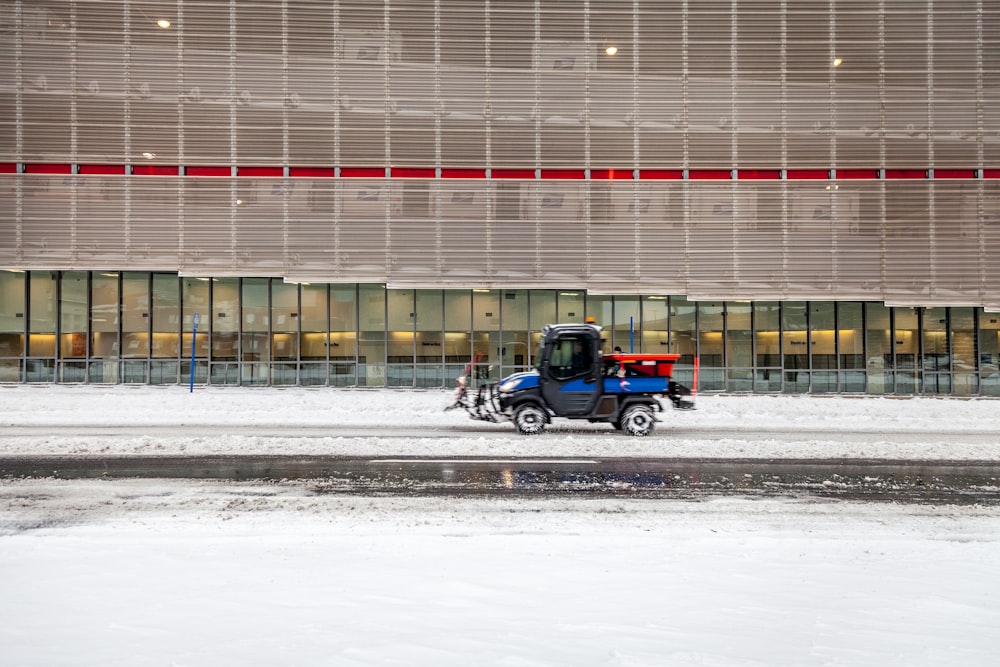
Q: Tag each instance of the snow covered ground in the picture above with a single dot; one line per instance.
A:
(170, 420)
(175, 572)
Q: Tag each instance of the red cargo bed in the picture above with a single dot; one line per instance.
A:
(640, 365)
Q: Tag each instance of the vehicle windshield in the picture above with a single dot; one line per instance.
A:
(537, 361)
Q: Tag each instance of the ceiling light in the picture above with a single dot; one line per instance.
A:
(148, 155)
(611, 49)
(163, 23)
(837, 62)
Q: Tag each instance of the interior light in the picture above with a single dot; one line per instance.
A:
(837, 62)
(611, 49)
(163, 23)
(148, 155)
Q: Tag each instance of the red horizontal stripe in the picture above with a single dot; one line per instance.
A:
(204, 170)
(610, 174)
(905, 173)
(144, 169)
(954, 173)
(154, 170)
(260, 171)
(566, 174)
(709, 174)
(312, 172)
(101, 169)
(758, 174)
(661, 174)
(513, 173)
(412, 172)
(857, 173)
(807, 174)
(48, 168)
(462, 173)
(362, 172)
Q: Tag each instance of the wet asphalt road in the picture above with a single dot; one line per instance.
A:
(938, 482)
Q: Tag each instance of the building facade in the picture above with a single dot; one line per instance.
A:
(803, 196)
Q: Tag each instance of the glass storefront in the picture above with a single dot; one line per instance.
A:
(159, 328)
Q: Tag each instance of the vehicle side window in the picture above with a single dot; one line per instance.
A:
(570, 357)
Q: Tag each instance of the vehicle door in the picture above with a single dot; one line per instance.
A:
(569, 383)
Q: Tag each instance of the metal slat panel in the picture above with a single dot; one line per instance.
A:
(713, 85)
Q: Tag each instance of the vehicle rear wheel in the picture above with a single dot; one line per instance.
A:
(638, 420)
(530, 419)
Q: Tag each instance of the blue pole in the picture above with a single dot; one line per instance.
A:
(631, 335)
(194, 338)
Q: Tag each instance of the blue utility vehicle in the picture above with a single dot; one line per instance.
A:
(572, 378)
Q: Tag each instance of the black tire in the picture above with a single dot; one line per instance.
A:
(530, 419)
(638, 420)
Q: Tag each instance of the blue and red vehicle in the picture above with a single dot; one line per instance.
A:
(572, 378)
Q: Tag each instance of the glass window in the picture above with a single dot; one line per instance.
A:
(73, 315)
(104, 342)
(767, 325)
(878, 343)
(225, 318)
(104, 315)
(601, 308)
(313, 338)
(962, 322)
(343, 323)
(542, 308)
(850, 342)
(822, 346)
(135, 315)
(42, 314)
(739, 329)
(457, 327)
(166, 316)
(285, 320)
(371, 346)
(655, 325)
(906, 336)
(850, 338)
(195, 300)
(542, 311)
(936, 348)
(570, 307)
(627, 328)
(515, 346)
(486, 325)
(400, 312)
(256, 322)
(710, 328)
(795, 346)
(683, 329)
(710, 345)
(428, 320)
(989, 353)
(739, 345)
(12, 319)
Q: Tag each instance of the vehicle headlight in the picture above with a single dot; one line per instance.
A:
(508, 386)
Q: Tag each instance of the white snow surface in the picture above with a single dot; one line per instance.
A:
(298, 420)
(182, 572)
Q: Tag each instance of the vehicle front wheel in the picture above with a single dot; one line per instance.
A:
(530, 419)
(638, 420)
